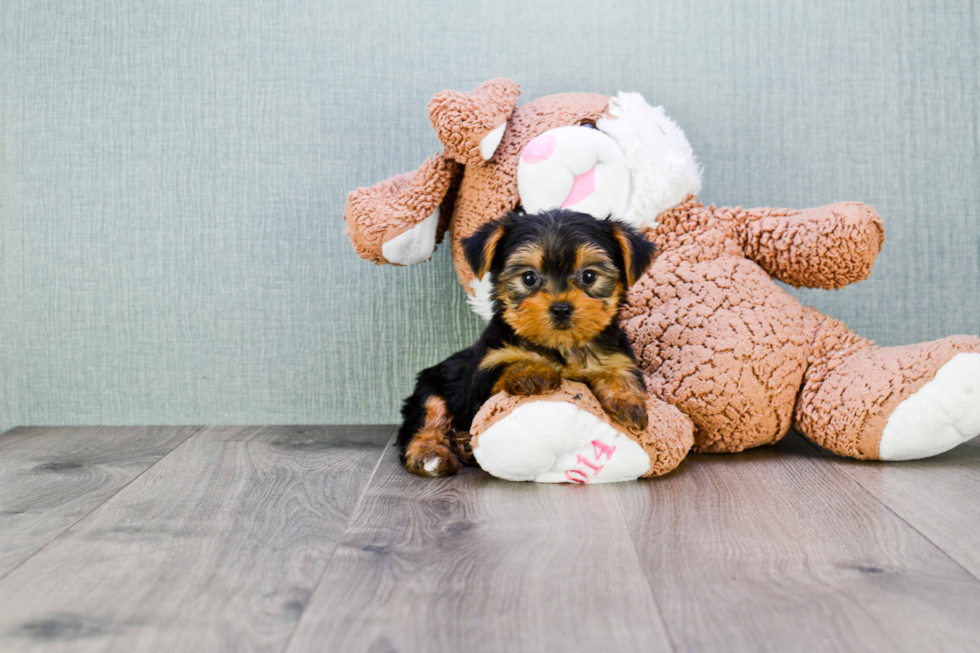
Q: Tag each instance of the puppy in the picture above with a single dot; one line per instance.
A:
(559, 280)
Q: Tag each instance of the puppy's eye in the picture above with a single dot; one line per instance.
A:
(529, 279)
(589, 277)
(588, 125)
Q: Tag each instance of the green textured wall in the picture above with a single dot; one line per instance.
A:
(172, 178)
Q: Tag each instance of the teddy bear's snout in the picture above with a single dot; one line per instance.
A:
(574, 167)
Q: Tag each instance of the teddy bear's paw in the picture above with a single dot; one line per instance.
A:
(397, 220)
(414, 245)
(942, 414)
(557, 442)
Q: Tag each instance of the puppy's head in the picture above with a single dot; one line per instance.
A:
(559, 277)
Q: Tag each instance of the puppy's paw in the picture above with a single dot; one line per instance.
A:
(530, 380)
(431, 459)
(627, 409)
(464, 448)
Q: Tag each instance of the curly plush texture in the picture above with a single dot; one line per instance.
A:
(852, 387)
(829, 247)
(732, 361)
(743, 359)
(462, 119)
(378, 213)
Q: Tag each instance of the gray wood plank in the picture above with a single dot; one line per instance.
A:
(50, 477)
(471, 563)
(777, 550)
(939, 497)
(215, 548)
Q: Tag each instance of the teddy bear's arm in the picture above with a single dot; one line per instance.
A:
(824, 247)
(400, 220)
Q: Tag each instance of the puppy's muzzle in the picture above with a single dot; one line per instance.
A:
(561, 313)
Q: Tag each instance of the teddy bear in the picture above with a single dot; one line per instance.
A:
(730, 359)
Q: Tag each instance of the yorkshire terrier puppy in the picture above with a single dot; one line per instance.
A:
(559, 279)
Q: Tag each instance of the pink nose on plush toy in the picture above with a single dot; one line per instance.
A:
(539, 149)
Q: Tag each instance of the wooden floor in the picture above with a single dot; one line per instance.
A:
(314, 539)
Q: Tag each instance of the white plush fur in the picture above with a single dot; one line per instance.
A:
(548, 442)
(415, 245)
(490, 142)
(481, 299)
(663, 166)
(940, 415)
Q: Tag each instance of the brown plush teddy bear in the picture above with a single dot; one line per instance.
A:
(732, 361)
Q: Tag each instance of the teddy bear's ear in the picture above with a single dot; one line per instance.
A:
(638, 252)
(480, 248)
(471, 125)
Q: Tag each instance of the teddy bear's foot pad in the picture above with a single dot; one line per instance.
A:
(942, 414)
(414, 245)
(557, 442)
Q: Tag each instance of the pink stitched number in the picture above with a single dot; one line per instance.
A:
(589, 464)
(599, 448)
(568, 475)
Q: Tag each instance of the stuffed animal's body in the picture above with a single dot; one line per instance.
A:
(732, 361)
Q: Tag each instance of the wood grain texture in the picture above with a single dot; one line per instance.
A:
(778, 550)
(52, 477)
(215, 548)
(939, 497)
(472, 563)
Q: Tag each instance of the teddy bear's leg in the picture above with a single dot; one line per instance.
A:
(893, 403)
(565, 437)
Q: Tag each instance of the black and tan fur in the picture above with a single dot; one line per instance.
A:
(559, 280)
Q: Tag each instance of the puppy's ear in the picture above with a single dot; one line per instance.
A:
(479, 249)
(638, 252)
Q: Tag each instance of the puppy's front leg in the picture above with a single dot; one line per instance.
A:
(525, 372)
(528, 379)
(429, 450)
(619, 388)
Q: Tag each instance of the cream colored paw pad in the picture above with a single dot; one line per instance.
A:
(415, 245)
(557, 442)
(943, 413)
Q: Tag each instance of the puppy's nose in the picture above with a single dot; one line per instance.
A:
(561, 310)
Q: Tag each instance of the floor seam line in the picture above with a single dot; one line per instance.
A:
(340, 538)
(100, 504)
(646, 576)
